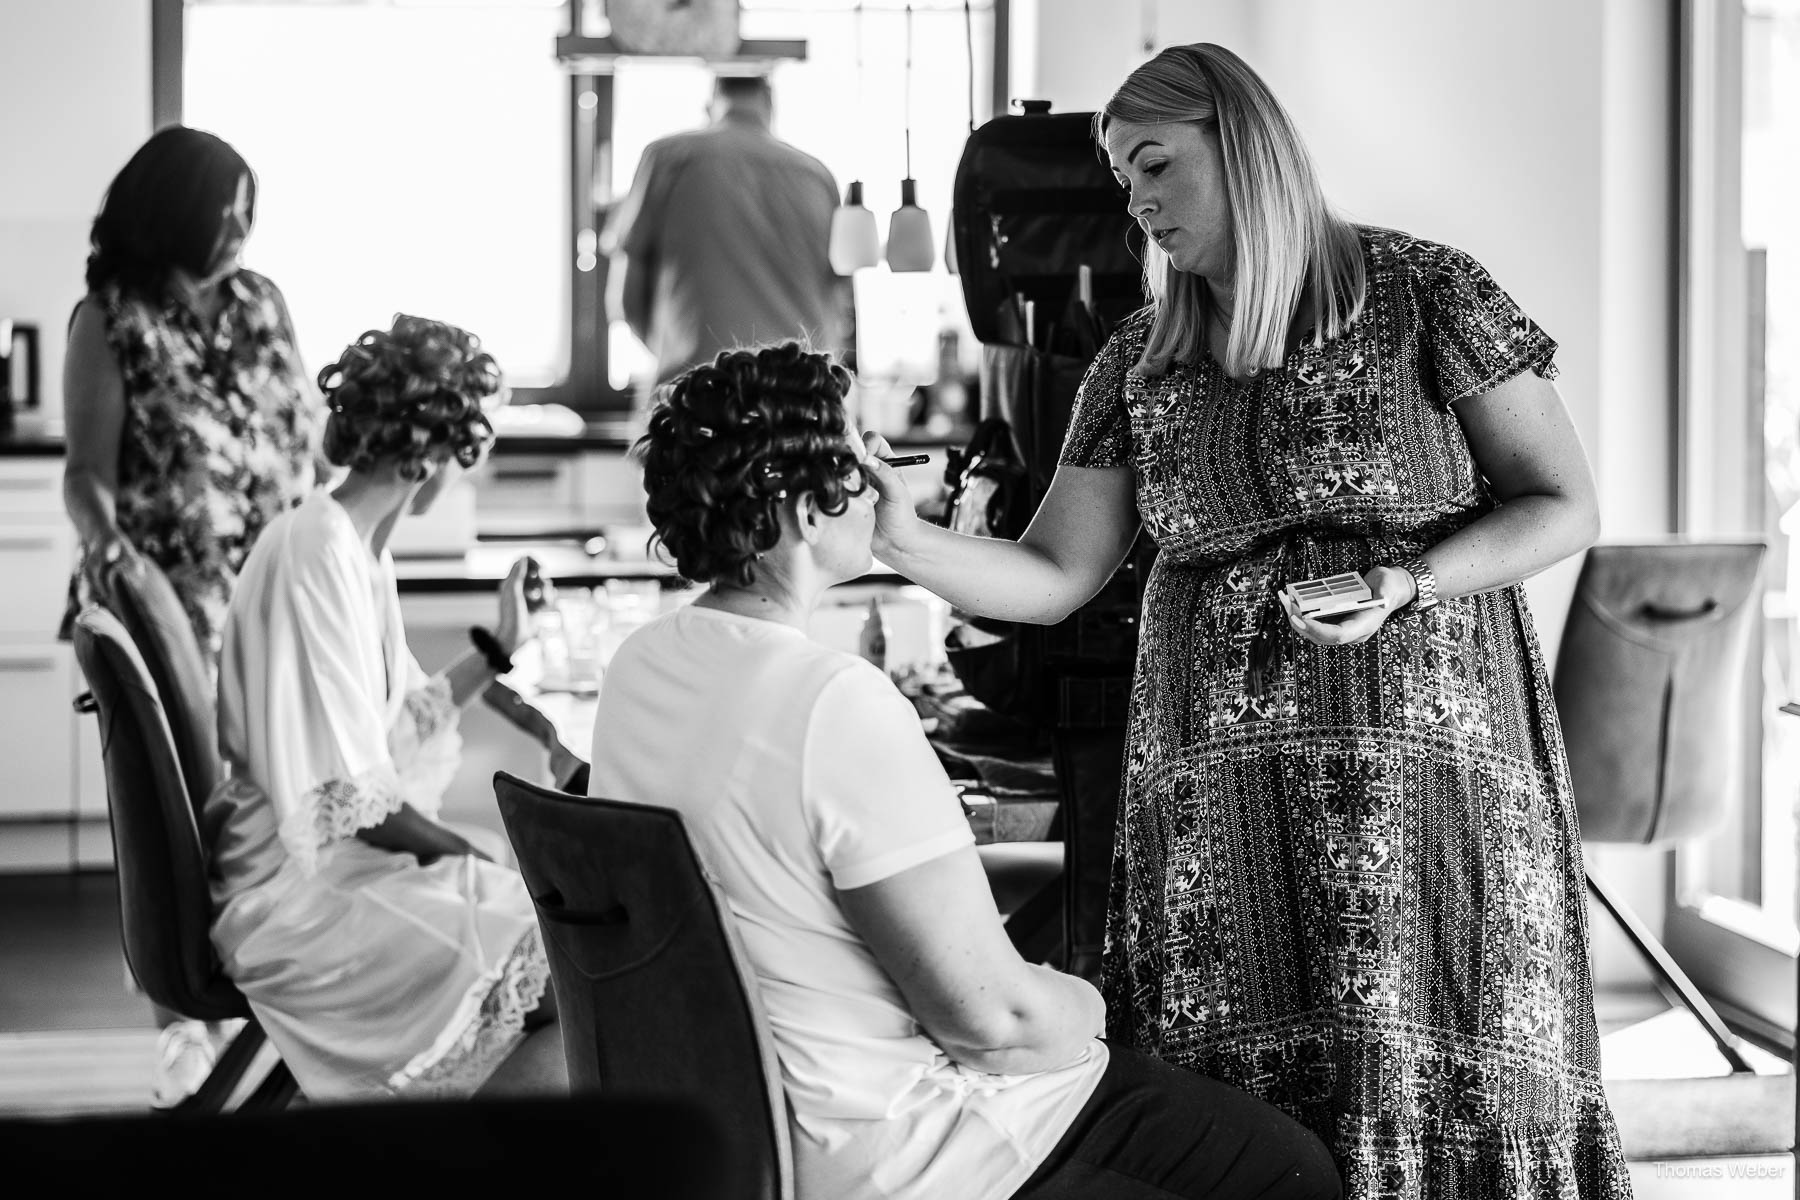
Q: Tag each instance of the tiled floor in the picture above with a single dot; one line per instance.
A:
(61, 967)
(75, 1037)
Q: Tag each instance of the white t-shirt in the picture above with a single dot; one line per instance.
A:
(800, 771)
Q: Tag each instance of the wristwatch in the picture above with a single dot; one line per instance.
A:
(1424, 583)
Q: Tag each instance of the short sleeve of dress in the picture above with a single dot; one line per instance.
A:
(1475, 336)
(1099, 429)
(876, 796)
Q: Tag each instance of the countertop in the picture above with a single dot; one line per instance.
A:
(566, 563)
(553, 429)
(481, 569)
(37, 437)
(32, 436)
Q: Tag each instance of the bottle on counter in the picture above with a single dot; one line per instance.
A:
(872, 645)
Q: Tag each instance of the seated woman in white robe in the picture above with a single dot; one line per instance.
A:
(383, 952)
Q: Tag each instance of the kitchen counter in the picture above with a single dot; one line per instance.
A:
(32, 437)
(566, 563)
(553, 429)
(35, 437)
(481, 569)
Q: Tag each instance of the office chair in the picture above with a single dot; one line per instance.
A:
(165, 910)
(653, 990)
(1650, 685)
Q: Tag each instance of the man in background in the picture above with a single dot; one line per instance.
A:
(722, 240)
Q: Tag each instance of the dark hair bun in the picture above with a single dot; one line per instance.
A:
(409, 396)
(732, 441)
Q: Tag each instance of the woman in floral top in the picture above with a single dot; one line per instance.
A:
(190, 421)
(1347, 876)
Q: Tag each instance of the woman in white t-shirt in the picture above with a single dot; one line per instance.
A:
(922, 1056)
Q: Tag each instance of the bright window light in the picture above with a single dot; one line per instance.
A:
(410, 159)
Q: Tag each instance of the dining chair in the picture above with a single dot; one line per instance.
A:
(1650, 687)
(654, 992)
(165, 909)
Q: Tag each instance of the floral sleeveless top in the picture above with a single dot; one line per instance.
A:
(221, 432)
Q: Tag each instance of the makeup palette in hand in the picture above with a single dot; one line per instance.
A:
(1332, 596)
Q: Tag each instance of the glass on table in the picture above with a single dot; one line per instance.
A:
(571, 632)
(633, 601)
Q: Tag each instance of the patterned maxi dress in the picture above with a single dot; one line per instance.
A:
(221, 430)
(1357, 890)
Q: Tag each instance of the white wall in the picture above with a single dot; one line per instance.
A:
(74, 104)
(1536, 136)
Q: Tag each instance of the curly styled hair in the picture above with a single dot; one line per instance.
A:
(732, 441)
(409, 395)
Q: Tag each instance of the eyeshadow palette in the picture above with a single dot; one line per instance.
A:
(1332, 596)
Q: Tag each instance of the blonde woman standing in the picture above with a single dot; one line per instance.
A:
(1347, 876)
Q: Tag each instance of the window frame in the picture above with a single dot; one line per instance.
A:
(587, 386)
(1736, 954)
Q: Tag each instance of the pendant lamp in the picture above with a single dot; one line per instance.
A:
(855, 242)
(910, 244)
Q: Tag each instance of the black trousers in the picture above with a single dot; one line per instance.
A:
(1152, 1131)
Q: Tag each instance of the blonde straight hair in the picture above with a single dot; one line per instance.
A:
(1286, 234)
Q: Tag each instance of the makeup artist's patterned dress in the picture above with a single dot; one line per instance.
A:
(221, 432)
(1357, 890)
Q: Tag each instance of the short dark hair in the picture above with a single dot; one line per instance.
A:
(164, 210)
(731, 442)
(409, 395)
(744, 87)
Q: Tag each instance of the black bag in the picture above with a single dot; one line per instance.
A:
(1033, 205)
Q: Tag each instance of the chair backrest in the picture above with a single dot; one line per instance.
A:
(1651, 686)
(653, 990)
(140, 595)
(165, 910)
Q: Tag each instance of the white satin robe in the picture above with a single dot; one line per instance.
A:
(372, 974)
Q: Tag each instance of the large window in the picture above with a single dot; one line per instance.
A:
(1735, 920)
(433, 156)
(410, 159)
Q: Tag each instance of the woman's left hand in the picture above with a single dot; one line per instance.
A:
(1392, 584)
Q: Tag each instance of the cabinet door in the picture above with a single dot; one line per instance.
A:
(37, 731)
(30, 487)
(528, 494)
(35, 560)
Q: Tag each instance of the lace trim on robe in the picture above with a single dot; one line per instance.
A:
(336, 809)
(426, 742)
(489, 1024)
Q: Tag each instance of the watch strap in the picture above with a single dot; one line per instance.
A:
(1424, 583)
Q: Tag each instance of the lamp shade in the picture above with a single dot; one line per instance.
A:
(854, 242)
(910, 245)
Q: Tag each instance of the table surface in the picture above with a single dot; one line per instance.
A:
(569, 715)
